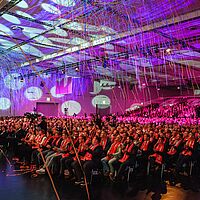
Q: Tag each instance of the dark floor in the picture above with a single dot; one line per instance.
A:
(23, 187)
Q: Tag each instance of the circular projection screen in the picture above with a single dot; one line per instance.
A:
(33, 93)
(53, 93)
(102, 101)
(73, 107)
(12, 81)
(4, 103)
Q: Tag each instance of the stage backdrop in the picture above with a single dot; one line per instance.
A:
(81, 95)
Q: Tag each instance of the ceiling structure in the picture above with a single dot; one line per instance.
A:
(143, 42)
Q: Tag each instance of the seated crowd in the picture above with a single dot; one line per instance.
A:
(79, 145)
(179, 109)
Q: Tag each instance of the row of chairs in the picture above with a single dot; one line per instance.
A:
(163, 166)
(131, 169)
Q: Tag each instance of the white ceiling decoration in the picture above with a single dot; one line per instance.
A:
(113, 39)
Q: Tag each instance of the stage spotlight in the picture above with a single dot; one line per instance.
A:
(63, 71)
(14, 27)
(168, 50)
(77, 69)
(41, 84)
(21, 79)
(178, 88)
(48, 99)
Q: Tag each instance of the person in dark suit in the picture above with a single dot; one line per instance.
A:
(92, 160)
(129, 156)
(105, 142)
(43, 124)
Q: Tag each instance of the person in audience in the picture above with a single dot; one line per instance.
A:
(57, 152)
(25, 150)
(186, 154)
(48, 149)
(67, 160)
(157, 157)
(105, 142)
(91, 159)
(113, 154)
(41, 139)
(175, 145)
(159, 134)
(43, 124)
(48, 139)
(145, 150)
(129, 151)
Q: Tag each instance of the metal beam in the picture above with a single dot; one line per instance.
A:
(111, 38)
(8, 6)
(175, 40)
(29, 19)
(46, 32)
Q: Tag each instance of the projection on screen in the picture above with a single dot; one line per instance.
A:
(4, 103)
(12, 81)
(98, 86)
(102, 101)
(73, 107)
(33, 93)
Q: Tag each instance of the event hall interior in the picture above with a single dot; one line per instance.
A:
(99, 99)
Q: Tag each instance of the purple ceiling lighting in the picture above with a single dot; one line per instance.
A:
(134, 37)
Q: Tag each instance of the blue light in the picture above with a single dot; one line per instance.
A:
(12, 81)
(51, 9)
(11, 19)
(4, 103)
(33, 93)
(102, 101)
(67, 3)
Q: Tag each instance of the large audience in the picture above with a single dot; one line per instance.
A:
(75, 146)
(180, 109)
